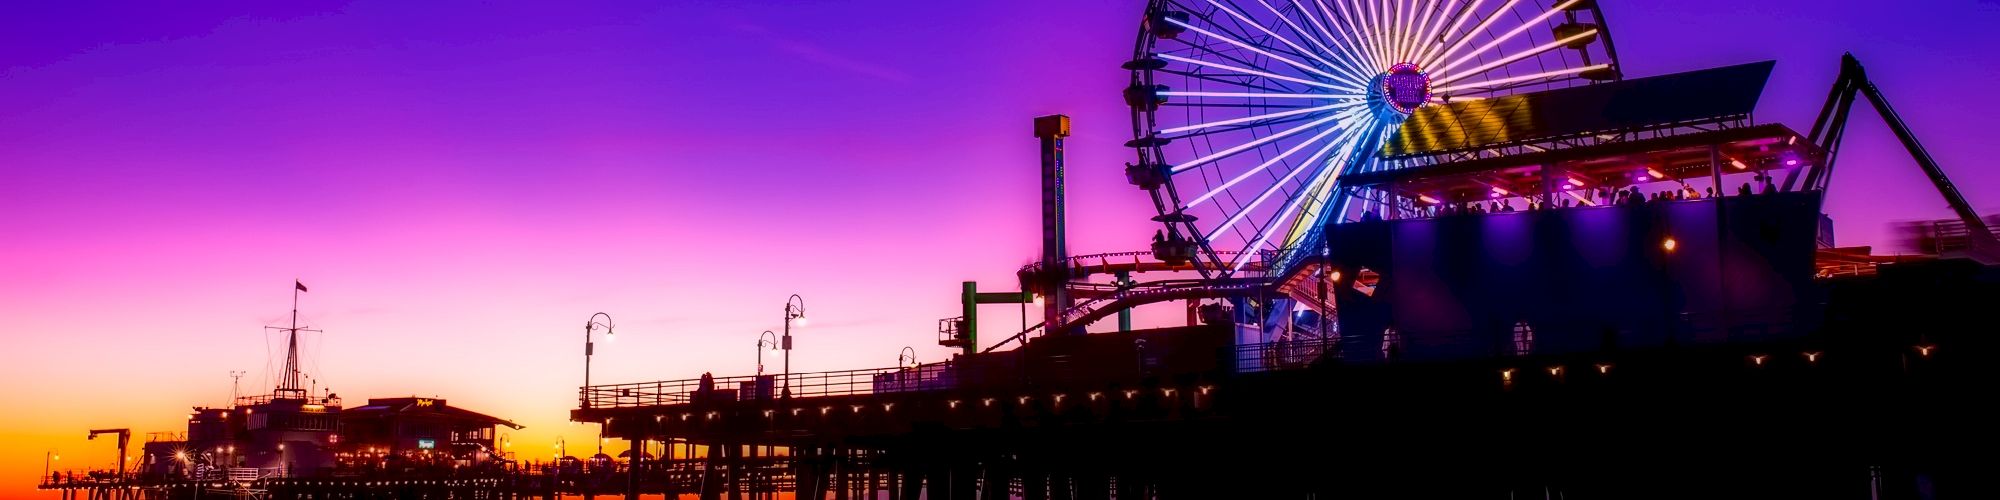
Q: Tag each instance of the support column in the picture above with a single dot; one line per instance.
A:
(734, 454)
(1124, 281)
(711, 476)
(632, 468)
(913, 482)
(998, 479)
(837, 464)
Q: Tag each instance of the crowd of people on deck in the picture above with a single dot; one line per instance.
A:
(1576, 198)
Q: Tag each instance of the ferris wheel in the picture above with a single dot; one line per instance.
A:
(1246, 113)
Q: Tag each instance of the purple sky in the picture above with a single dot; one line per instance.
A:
(462, 183)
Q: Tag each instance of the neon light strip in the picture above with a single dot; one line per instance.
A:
(1367, 36)
(1343, 52)
(1422, 28)
(1355, 40)
(1516, 57)
(1514, 79)
(1251, 48)
(1178, 93)
(1463, 16)
(1349, 68)
(1378, 15)
(1245, 146)
(1246, 119)
(1409, 29)
(1289, 43)
(1211, 194)
(1537, 21)
(1248, 71)
(1344, 138)
(1467, 38)
(1326, 174)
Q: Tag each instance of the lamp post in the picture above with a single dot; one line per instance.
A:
(795, 309)
(583, 394)
(47, 457)
(766, 340)
(908, 353)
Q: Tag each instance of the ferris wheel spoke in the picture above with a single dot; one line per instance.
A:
(1232, 150)
(1274, 35)
(1248, 71)
(1496, 41)
(1326, 174)
(1422, 26)
(1345, 139)
(1224, 129)
(1385, 26)
(1253, 171)
(1467, 36)
(1256, 95)
(1364, 42)
(1361, 19)
(1448, 78)
(1442, 14)
(1267, 116)
(1344, 66)
(1344, 52)
(1437, 42)
(1406, 28)
(1494, 84)
(1240, 61)
(1227, 80)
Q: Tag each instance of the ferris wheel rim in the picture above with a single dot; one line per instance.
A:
(1429, 69)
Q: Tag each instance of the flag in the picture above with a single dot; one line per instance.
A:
(301, 285)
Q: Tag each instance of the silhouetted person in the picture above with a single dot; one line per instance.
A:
(1768, 186)
(1743, 190)
(1711, 192)
(1159, 236)
(706, 389)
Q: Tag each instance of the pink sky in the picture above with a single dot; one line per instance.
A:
(463, 185)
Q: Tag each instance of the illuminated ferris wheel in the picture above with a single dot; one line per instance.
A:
(1246, 113)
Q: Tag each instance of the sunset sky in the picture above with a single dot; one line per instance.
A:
(461, 184)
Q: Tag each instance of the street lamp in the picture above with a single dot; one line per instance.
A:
(582, 394)
(46, 458)
(795, 309)
(907, 353)
(766, 340)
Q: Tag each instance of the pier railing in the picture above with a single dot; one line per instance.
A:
(770, 386)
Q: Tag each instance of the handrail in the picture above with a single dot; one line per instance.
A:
(766, 387)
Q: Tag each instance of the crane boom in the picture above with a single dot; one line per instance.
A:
(124, 437)
(1831, 126)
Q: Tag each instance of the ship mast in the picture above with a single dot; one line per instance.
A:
(288, 386)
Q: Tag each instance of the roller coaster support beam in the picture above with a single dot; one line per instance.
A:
(1831, 126)
(969, 297)
(1124, 281)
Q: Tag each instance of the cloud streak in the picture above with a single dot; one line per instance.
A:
(820, 55)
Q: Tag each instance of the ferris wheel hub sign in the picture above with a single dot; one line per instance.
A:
(1405, 87)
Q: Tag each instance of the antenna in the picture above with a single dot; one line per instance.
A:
(235, 385)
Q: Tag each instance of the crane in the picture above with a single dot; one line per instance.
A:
(124, 437)
(1831, 126)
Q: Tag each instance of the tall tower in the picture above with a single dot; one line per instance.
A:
(1051, 130)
